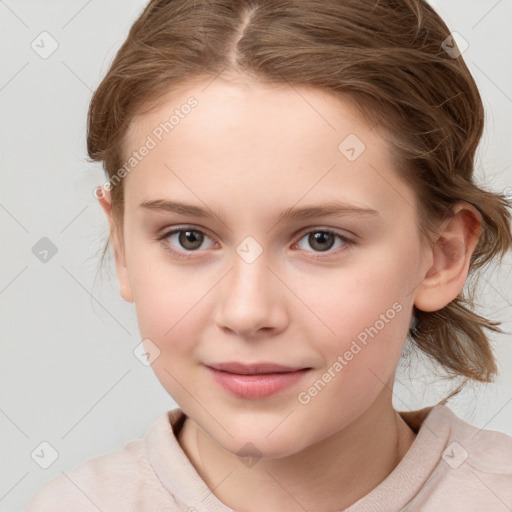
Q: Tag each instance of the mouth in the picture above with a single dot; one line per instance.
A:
(255, 381)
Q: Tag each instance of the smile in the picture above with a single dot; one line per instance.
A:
(256, 381)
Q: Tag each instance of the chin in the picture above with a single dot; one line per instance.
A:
(260, 439)
(252, 448)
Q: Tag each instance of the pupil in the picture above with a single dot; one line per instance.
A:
(190, 239)
(318, 240)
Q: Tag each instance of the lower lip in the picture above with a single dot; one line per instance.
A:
(256, 386)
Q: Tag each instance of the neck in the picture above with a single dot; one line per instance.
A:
(330, 475)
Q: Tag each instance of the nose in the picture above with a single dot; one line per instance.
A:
(252, 301)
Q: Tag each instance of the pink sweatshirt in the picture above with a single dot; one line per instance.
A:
(450, 466)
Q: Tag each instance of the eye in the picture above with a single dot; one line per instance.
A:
(183, 240)
(322, 240)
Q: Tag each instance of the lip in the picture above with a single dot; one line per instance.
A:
(255, 381)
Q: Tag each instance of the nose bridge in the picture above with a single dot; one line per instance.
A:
(249, 280)
(250, 273)
(250, 299)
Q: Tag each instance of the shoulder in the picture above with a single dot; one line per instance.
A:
(474, 471)
(93, 483)
(122, 480)
(483, 450)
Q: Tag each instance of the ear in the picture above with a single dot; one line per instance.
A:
(451, 254)
(105, 201)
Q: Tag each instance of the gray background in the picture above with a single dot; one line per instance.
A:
(68, 373)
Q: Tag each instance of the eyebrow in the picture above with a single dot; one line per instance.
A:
(333, 208)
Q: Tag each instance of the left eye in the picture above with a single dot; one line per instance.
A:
(188, 239)
(322, 240)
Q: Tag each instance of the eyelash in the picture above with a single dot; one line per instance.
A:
(347, 243)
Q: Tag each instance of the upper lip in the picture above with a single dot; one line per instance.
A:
(255, 368)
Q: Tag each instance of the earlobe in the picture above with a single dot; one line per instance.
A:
(451, 253)
(105, 201)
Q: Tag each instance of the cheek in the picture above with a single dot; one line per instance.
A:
(168, 300)
(171, 314)
(168, 312)
(367, 310)
(371, 295)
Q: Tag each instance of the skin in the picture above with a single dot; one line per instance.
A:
(249, 151)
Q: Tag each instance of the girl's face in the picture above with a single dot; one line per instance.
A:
(298, 248)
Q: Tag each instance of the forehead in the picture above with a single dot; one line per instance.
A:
(250, 108)
(278, 141)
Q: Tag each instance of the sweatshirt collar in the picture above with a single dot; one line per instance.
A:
(179, 476)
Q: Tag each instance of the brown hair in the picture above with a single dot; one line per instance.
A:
(387, 56)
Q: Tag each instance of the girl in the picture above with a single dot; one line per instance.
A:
(290, 197)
